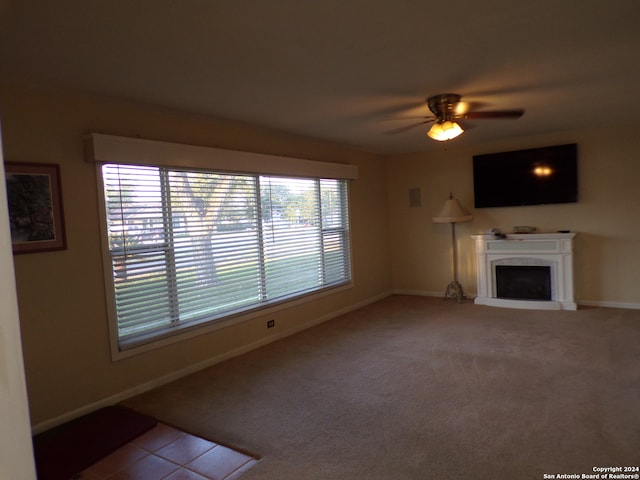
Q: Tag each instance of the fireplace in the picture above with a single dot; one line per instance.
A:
(525, 271)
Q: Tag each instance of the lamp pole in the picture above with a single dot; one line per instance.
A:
(454, 289)
(455, 251)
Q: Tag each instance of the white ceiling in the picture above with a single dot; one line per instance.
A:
(340, 70)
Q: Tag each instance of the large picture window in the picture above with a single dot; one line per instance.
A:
(190, 247)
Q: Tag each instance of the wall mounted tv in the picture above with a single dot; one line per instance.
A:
(536, 176)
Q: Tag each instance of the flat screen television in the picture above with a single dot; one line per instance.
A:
(536, 176)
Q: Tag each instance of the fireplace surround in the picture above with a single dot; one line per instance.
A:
(546, 251)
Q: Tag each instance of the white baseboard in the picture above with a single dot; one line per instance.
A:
(418, 293)
(423, 293)
(586, 303)
(605, 304)
(158, 382)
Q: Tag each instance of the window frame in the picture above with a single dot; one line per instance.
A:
(191, 331)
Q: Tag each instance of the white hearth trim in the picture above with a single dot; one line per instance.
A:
(548, 249)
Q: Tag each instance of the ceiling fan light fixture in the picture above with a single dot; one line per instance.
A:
(443, 131)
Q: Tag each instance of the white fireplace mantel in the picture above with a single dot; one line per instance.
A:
(551, 249)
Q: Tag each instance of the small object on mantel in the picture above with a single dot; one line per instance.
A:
(523, 229)
(496, 232)
(564, 231)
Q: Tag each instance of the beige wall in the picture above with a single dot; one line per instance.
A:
(395, 247)
(61, 294)
(607, 247)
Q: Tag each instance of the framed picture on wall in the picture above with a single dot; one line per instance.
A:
(36, 218)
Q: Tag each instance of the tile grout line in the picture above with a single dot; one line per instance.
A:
(150, 450)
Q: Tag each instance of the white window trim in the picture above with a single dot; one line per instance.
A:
(102, 148)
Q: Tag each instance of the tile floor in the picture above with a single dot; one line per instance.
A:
(165, 453)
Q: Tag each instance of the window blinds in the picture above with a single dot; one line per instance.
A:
(191, 246)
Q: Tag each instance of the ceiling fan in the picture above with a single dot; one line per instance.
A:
(447, 108)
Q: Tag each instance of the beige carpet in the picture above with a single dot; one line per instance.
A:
(420, 388)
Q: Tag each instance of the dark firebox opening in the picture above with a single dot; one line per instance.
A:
(523, 282)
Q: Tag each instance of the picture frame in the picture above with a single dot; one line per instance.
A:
(36, 217)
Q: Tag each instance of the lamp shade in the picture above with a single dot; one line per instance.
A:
(452, 212)
(443, 131)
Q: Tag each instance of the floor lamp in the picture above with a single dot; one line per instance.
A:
(453, 213)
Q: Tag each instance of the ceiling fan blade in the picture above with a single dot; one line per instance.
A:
(492, 114)
(406, 128)
(411, 117)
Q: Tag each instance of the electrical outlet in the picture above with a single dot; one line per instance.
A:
(271, 323)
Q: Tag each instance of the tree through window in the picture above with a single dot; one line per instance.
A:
(189, 247)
